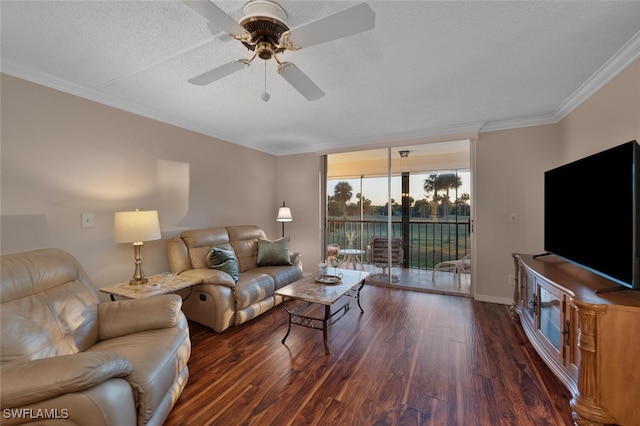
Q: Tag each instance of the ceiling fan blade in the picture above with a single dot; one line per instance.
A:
(218, 73)
(300, 81)
(216, 16)
(351, 21)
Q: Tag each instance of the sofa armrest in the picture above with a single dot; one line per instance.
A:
(296, 259)
(210, 276)
(26, 382)
(131, 316)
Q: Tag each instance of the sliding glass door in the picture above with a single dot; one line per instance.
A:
(398, 212)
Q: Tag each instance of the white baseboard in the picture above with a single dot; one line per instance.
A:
(493, 299)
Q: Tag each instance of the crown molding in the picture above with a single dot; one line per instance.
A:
(624, 57)
(518, 123)
(404, 137)
(435, 134)
(46, 80)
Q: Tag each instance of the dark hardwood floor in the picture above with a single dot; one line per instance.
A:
(412, 358)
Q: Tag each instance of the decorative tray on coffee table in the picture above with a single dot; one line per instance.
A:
(328, 279)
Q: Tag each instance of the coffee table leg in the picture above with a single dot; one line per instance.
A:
(358, 297)
(327, 314)
(288, 329)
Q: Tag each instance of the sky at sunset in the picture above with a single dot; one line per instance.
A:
(375, 189)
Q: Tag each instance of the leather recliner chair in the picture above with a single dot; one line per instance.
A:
(66, 358)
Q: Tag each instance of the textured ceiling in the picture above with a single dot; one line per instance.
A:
(427, 68)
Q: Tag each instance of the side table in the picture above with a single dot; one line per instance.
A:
(157, 285)
(352, 258)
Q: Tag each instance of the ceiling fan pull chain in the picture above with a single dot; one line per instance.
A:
(265, 96)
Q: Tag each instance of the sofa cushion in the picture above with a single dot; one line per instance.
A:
(252, 287)
(282, 275)
(244, 240)
(224, 260)
(200, 241)
(273, 253)
(157, 357)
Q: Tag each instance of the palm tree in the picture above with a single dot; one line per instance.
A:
(449, 181)
(430, 184)
(342, 194)
(442, 182)
(366, 204)
(420, 207)
(462, 202)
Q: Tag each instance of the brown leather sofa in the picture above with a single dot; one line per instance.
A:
(68, 359)
(220, 302)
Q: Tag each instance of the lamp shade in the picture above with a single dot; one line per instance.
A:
(136, 226)
(284, 214)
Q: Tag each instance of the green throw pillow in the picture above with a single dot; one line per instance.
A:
(224, 260)
(273, 253)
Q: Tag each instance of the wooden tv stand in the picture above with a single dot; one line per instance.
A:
(590, 341)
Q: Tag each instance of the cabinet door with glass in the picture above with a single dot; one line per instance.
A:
(550, 319)
(529, 295)
(571, 330)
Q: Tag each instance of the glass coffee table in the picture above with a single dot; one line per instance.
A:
(302, 296)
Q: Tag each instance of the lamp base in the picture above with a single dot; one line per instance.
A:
(139, 281)
(138, 275)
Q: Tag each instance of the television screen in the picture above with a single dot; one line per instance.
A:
(591, 213)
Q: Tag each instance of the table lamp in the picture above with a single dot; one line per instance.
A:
(284, 215)
(136, 227)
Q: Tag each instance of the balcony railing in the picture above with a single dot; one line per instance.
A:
(428, 243)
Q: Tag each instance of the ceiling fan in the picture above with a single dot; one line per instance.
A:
(263, 30)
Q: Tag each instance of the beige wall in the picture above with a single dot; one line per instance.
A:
(510, 175)
(299, 185)
(509, 178)
(608, 118)
(63, 155)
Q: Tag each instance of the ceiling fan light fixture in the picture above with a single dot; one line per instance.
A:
(265, 22)
(264, 50)
(263, 30)
(264, 9)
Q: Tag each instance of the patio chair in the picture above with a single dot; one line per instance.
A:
(378, 252)
(459, 266)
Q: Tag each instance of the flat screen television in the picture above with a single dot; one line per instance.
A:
(591, 209)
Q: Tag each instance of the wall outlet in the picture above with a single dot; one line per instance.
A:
(511, 280)
(86, 220)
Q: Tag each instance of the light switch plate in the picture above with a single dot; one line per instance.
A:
(87, 220)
